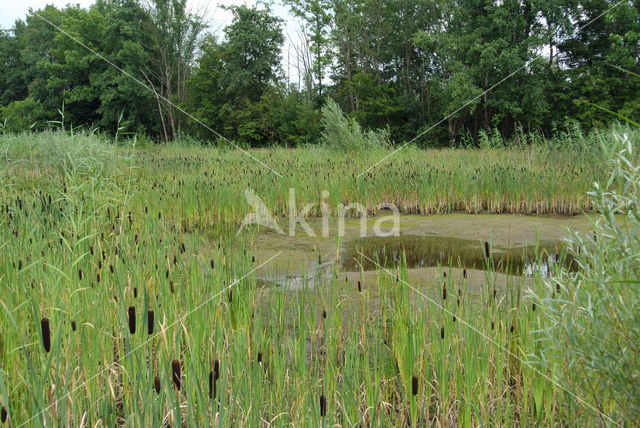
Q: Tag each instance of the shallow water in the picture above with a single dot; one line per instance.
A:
(416, 251)
(425, 242)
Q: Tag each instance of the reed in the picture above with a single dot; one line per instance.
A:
(385, 356)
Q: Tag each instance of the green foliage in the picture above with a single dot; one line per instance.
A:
(345, 134)
(25, 115)
(591, 317)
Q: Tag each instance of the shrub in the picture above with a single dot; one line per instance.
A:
(592, 322)
(342, 133)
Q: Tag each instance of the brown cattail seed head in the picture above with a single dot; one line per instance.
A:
(230, 296)
(259, 357)
(73, 325)
(444, 292)
(323, 406)
(324, 314)
(175, 369)
(216, 370)
(359, 286)
(464, 273)
(441, 332)
(156, 384)
(46, 334)
(150, 316)
(3, 414)
(414, 385)
(486, 249)
(132, 319)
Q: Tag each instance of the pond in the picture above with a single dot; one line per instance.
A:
(424, 243)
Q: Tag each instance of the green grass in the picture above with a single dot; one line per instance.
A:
(88, 229)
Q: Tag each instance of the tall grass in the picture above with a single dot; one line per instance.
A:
(101, 249)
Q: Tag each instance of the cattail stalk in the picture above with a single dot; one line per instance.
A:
(323, 406)
(150, 321)
(177, 377)
(46, 334)
(132, 320)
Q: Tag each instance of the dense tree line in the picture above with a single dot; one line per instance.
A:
(396, 64)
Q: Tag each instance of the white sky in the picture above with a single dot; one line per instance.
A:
(10, 10)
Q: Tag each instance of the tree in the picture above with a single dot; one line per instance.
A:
(316, 15)
(176, 34)
(252, 52)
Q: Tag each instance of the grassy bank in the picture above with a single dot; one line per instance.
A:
(115, 304)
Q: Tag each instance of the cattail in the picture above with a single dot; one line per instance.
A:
(486, 249)
(216, 370)
(175, 368)
(558, 287)
(212, 385)
(492, 325)
(132, 320)
(495, 293)
(211, 263)
(156, 384)
(464, 273)
(359, 287)
(324, 314)
(253, 259)
(171, 286)
(135, 292)
(444, 292)
(454, 318)
(98, 277)
(3, 414)
(230, 295)
(441, 332)
(323, 406)
(46, 334)
(414, 385)
(150, 321)
(259, 357)
(512, 328)
(167, 274)
(73, 325)
(111, 268)
(444, 274)
(533, 307)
